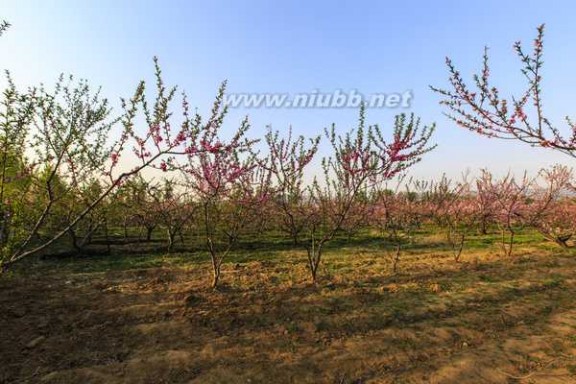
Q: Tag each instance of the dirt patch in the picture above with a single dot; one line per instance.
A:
(492, 323)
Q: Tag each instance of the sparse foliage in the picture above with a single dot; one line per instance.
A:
(483, 109)
(361, 158)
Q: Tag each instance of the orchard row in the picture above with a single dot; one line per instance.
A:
(61, 177)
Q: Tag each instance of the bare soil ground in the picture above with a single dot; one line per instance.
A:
(436, 321)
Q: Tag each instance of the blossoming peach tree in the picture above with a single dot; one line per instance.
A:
(360, 158)
(133, 208)
(287, 160)
(223, 176)
(483, 110)
(172, 208)
(550, 209)
(396, 213)
(510, 195)
(452, 206)
(53, 143)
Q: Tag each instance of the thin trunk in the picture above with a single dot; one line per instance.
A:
(107, 237)
(507, 241)
(74, 240)
(215, 275)
(125, 225)
(457, 243)
(149, 231)
(171, 240)
(314, 259)
(396, 259)
(483, 226)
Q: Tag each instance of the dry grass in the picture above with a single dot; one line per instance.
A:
(481, 321)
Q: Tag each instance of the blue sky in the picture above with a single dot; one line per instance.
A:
(300, 46)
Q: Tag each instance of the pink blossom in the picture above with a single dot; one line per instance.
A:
(180, 138)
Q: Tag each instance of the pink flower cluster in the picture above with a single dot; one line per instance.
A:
(155, 133)
(397, 146)
(114, 157)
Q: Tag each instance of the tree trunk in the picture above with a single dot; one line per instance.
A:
(149, 231)
(171, 239)
(107, 237)
(216, 270)
(483, 226)
(314, 259)
(74, 240)
(396, 258)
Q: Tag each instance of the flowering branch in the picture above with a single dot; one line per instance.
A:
(521, 117)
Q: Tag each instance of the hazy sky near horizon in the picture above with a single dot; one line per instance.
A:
(302, 46)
